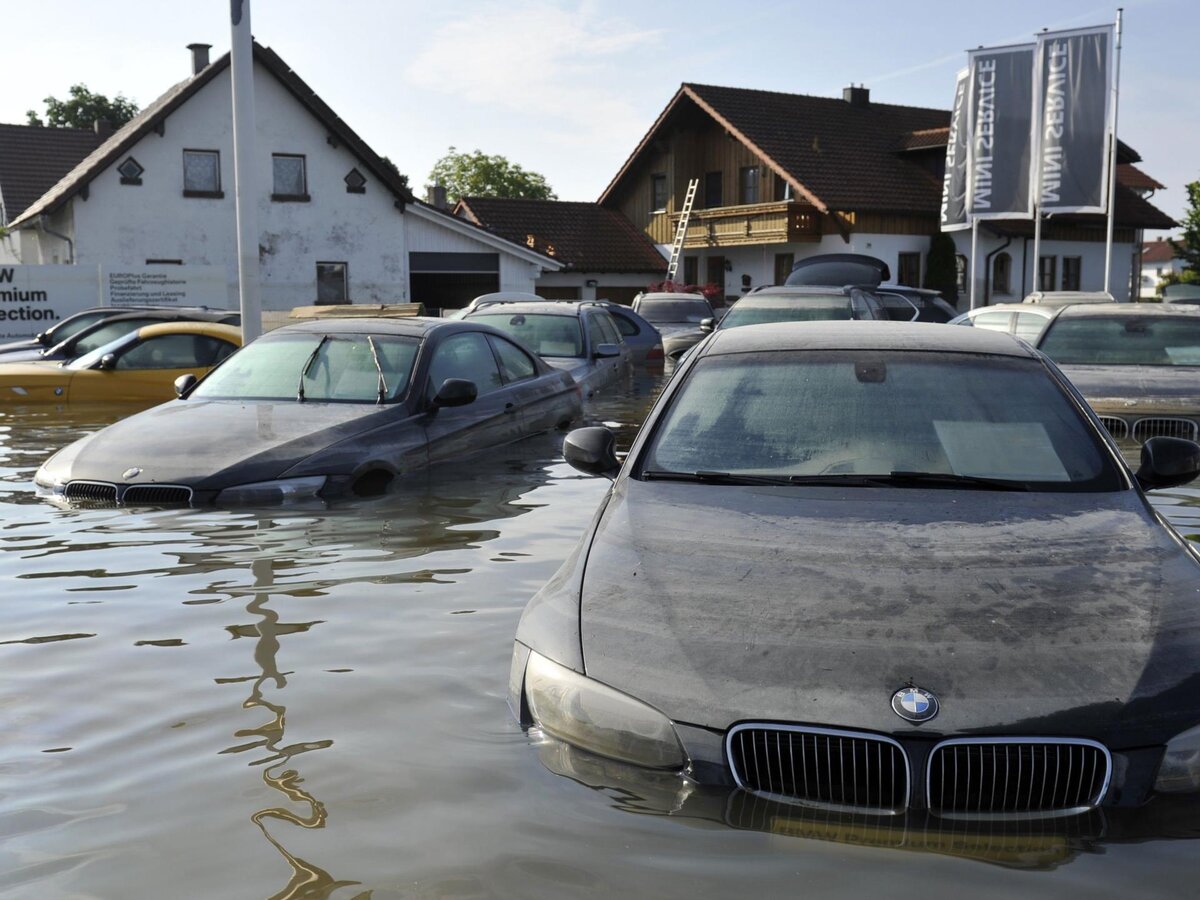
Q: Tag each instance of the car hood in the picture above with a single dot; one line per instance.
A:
(1067, 614)
(210, 444)
(1137, 387)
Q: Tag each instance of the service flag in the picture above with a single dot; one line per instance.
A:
(1000, 104)
(954, 184)
(1075, 119)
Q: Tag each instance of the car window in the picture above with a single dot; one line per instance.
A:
(75, 324)
(107, 332)
(609, 328)
(337, 368)
(993, 321)
(174, 351)
(814, 413)
(759, 308)
(465, 356)
(1123, 341)
(545, 334)
(665, 312)
(625, 324)
(1029, 326)
(897, 308)
(515, 363)
(596, 335)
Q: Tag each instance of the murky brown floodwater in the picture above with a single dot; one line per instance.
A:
(309, 703)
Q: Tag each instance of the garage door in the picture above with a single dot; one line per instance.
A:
(452, 280)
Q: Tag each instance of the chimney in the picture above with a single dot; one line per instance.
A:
(199, 57)
(435, 195)
(857, 96)
(102, 127)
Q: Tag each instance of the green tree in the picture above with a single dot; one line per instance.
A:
(479, 175)
(941, 267)
(1188, 247)
(83, 109)
(395, 170)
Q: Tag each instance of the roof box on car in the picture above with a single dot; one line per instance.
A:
(839, 269)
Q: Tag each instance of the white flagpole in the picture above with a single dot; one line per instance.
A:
(1112, 163)
(1036, 281)
(974, 274)
(242, 73)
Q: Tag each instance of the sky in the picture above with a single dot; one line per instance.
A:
(567, 88)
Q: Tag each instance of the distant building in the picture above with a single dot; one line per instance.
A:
(784, 176)
(337, 224)
(603, 255)
(1158, 261)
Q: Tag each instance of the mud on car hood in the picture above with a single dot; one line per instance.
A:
(1072, 614)
(213, 443)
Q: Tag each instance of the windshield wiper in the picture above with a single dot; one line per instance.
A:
(710, 477)
(949, 479)
(308, 365)
(383, 388)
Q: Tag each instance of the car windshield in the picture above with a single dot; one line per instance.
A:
(88, 360)
(1123, 341)
(107, 332)
(70, 327)
(665, 312)
(314, 367)
(775, 308)
(545, 334)
(867, 418)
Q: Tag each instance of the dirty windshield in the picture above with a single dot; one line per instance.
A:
(543, 333)
(666, 312)
(823, 416)
(1123, 341)
(806, 308)
(316, 367)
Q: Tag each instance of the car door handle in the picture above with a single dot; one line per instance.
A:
(510, 408)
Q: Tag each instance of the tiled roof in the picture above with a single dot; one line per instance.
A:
(1159, 251)
(33, 159)
(154, 114)
(1133, 177)
(585, 236)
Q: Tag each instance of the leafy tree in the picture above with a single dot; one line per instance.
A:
(395, 170)
(83, 109)
(941, 267)
(479, 175)
(1188, 248)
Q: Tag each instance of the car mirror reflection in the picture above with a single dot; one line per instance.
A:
(1168, 462)
(592, 451)
(455, 392)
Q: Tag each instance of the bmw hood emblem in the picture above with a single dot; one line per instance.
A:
(132, 472)
(914, 704)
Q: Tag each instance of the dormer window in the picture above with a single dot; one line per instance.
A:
(356, 183)
(130, 171)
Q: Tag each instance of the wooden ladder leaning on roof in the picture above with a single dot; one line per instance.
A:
(681, 230)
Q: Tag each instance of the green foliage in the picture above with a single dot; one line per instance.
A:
(479, 175)
(1188, 248)
(395, 170)
(941, 267)
(83, 109)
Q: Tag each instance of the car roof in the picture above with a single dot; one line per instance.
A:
(670, 295)
(541, 308)
(414, 326)
(1125, 310)
(1048, 312)
(795, 290)
(190, 326)
(863, 335)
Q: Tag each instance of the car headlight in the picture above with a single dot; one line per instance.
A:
(273, 491)
(598, 718)
(1180, 769)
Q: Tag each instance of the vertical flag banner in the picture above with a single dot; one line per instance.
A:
(1000, 113)
(954, 185)
(1074, 113)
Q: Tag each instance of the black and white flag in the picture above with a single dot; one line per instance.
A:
(954, 185)
(1000, 132)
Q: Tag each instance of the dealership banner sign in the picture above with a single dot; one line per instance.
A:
(1000, 112)
(165, 286)
(954, 184)
(1075, 119)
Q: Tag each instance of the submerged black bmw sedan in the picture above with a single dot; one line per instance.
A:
(323, 408)
(877, 568)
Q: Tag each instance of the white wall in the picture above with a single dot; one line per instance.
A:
(602, 280)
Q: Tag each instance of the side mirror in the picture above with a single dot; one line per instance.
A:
(606, 351)
(592, 451)
(108, 361)
(184, 383)
(455, 392)
(707, 325)
(1168, 462)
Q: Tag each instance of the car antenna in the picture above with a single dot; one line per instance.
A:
(378, 368)
(308, 365)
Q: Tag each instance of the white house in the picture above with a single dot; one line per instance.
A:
(336, 222)
(1158, 261)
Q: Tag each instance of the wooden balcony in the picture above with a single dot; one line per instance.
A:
(782, 222)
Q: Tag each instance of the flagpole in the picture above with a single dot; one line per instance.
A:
(1112, 163)
(1035, 281)
(974, 247)
(241, 58)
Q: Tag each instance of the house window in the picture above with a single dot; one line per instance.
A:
(691, 269)
(1047, 272)
(783, 190)
(290, 182)
(1072, 268)
(713, 193)
(961, 272)
(1002, 274)
(658, 192)
(332, 283)
(909, 269)
(356, 182)
(130, 171)
(783, 266)
(748, 177)
(202, 173)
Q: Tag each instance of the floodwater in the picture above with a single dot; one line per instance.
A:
(310, 703)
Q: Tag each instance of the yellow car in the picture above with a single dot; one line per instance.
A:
(140, 367)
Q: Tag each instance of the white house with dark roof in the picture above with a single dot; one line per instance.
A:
(337, 223)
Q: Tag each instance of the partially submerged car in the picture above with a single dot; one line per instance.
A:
(929, 584)
(576, 336)
(140, 366)
(321, 409)
(803, 304)
(677, 316)
(1018, 319)
(1137, 365)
